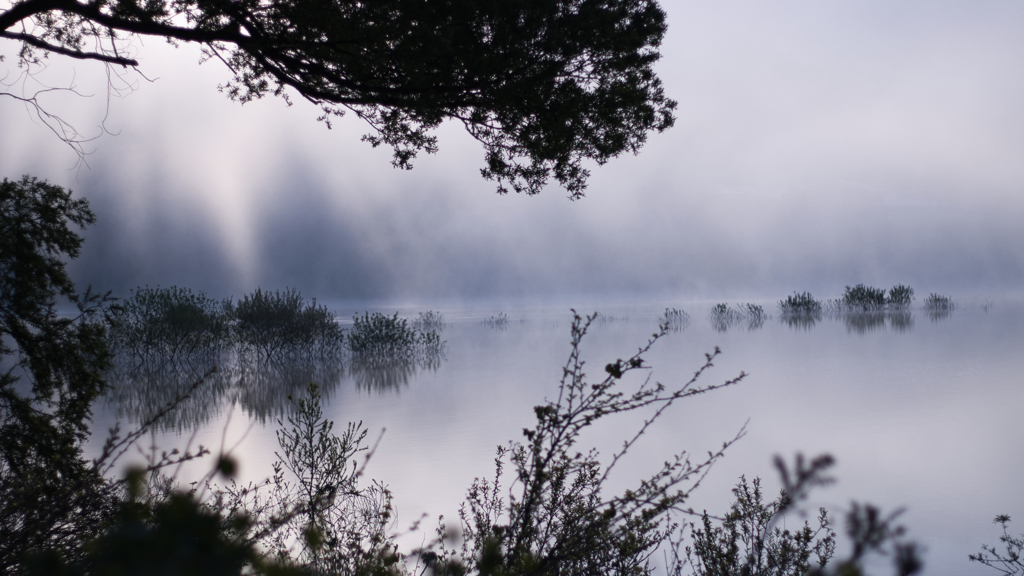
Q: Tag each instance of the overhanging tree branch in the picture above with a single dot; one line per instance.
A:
(33, 41)
(544, 87)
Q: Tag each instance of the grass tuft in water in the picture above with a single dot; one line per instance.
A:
(938, 303)
(675, 319)
(499, 322)
(722, 317)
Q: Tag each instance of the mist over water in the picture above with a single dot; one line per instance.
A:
(919, 409)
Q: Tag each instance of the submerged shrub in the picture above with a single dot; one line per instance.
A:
(169, 323)
(800, 304)
(867, 298)
(376, 336)
(900, 296)
(281, 324)
(863, 297)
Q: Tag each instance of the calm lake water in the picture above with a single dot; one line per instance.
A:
(920, 412)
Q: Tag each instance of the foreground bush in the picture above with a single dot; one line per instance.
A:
(282, 324)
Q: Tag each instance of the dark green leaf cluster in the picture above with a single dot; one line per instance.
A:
(544, 86)
(280, 324)
(50, 498)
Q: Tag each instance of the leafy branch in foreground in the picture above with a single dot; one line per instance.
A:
(1011, 561)
(554, 518)
(749, 542)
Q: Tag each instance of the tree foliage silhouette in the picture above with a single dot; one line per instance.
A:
(543, 85)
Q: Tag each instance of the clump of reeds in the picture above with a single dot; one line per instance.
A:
(169, 324)
(723, 317)
(800, 304)
(499, 322)
(938, 303)
(675, 319)
(938, 307)
(281, 324)
(377, 337)
(430, 320)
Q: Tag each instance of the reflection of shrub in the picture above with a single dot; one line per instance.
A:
(282, 324)
(169, 323)
(376, 336)
(138, 393)
(800, 304)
